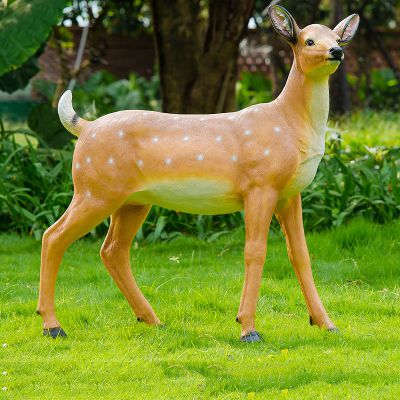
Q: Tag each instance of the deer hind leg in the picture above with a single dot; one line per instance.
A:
(82, 215)
(289, 215)
(258, 206)
(115, 254)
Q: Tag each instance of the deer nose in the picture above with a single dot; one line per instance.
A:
(336, 53)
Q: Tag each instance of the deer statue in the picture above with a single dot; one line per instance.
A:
(258, 160)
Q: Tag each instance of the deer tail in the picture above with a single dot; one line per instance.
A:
(68, 117)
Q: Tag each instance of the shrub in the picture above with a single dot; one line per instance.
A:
(101, 94)
(380, 92)
(353, 183)
(253, 89)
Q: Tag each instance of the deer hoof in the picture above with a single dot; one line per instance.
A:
(251, 337)
(333, 330)
(54, 333)
(237, 320)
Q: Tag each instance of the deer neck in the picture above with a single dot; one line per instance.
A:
(305, 102)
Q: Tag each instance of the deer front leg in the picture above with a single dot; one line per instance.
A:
(259, 205)
(289, 214)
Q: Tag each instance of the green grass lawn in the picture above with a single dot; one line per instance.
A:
(108, 355)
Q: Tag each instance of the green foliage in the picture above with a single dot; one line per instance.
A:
(15, 112)
(379, 92)
(102, 94)
(353, 183)
(115, 16)
(24, 26)
(20, 77)
(35, 184)
(252, 89)
(44, 120)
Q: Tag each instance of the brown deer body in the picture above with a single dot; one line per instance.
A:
(258, 159)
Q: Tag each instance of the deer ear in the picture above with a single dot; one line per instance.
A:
(347, 29)
(284, 23)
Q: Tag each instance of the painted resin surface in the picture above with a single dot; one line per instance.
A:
(258, 159)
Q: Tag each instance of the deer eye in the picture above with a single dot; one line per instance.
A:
(310, 42)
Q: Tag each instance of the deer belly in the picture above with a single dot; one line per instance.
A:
(303, 177)
(195, 196)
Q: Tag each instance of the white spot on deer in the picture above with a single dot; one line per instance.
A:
(140, 163)
(88, 160)
(168, 161)
(200, 157)
(266, 152)
(110, 161)
(218, 138)
(247, 132)
(93, 135)
(77, 165)
(154, 139)
(185, 138)
(234, 158)
(121, 134)
(88, 193)
(277, 129)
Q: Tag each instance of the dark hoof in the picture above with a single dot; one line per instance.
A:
(333, 330)
(237, 320)
(139, 319)
(54, 332)
(251, 337)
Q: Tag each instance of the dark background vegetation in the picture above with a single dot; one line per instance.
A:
(183, 56)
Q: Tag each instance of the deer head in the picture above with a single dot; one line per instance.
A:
(317, 49)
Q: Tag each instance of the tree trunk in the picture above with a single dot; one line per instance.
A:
(197, 50)
(339, 91)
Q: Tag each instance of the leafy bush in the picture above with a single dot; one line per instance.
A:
(253, 89)
(353, 183)
(36, 188)
(101, 94)
(381, 92)
(35, 184)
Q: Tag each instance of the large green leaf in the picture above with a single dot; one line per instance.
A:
(43, 119)
(20, 77)
(24, 26)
